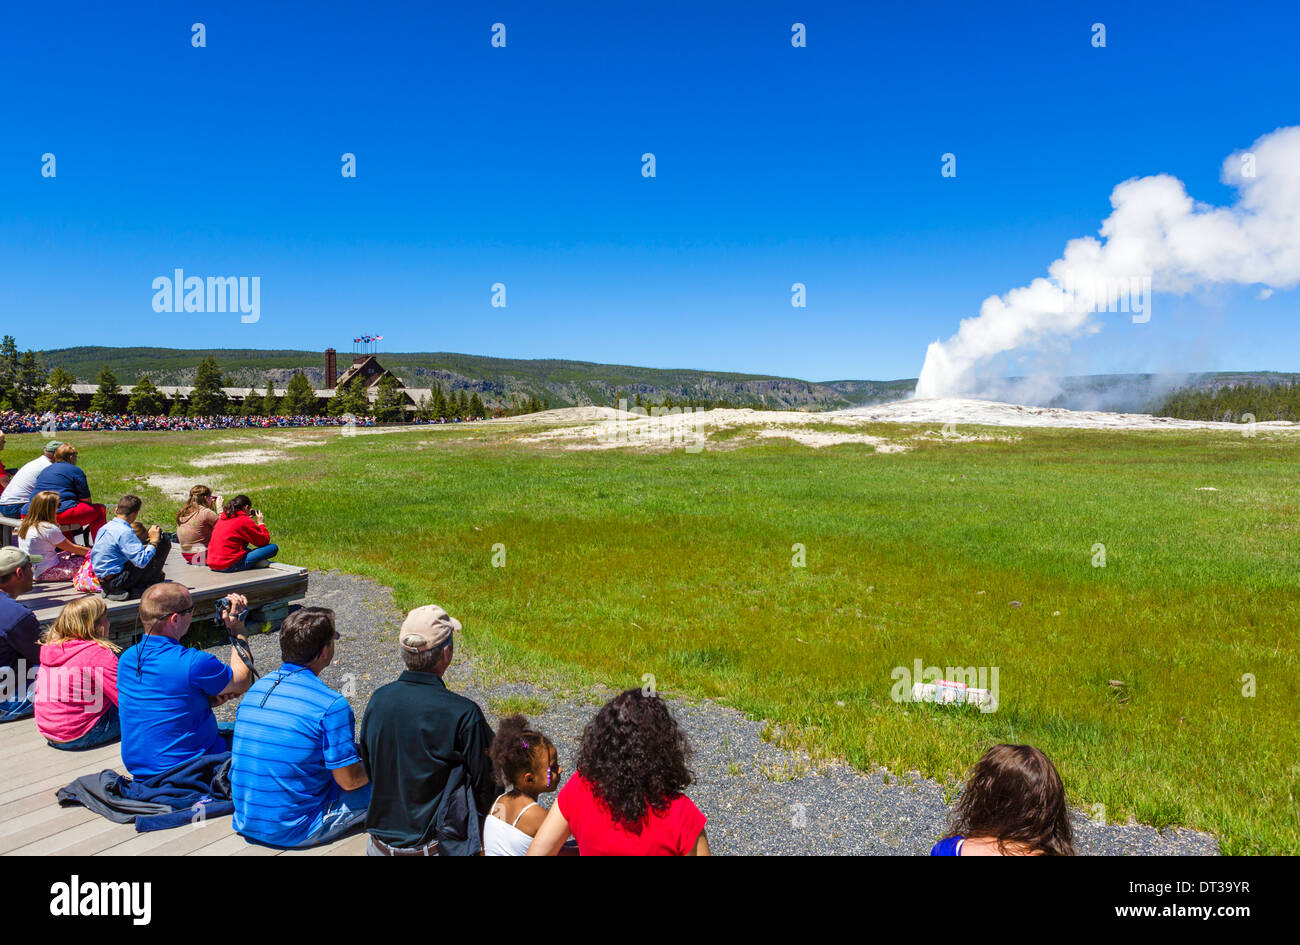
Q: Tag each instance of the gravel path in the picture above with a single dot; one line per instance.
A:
(760, 799)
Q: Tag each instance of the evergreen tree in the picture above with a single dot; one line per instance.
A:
(9, 373)
(390, 404)
(476, 407)
(105, 399)
(270, 404)
(350, 398)
(439, 405)
(207, 399)
(179, 408)
(58, 394)
(422, 409)
(299, 398)
(31, 381)
(145, 399)
(252, 405)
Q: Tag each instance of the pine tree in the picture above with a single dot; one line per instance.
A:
(350, 398)
(390, 404)
(9, 374)
(270, 403)
(476, 407)
(145, 399)
(299, 398)
(105, 399)
(207, 399)
(179, 408)
(439, 405)
(58, 394)
(31, 381)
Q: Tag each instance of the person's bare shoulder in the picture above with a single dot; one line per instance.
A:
(531, 820)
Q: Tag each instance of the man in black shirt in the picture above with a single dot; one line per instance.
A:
(426, 751)
(20, 634)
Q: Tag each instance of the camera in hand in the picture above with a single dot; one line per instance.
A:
(224, 607)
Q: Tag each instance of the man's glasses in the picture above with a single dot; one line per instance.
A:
(180, 613)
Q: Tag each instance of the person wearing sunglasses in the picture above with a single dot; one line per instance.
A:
(166, 690)
(295, 775)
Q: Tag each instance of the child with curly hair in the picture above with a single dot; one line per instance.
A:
(526, 761)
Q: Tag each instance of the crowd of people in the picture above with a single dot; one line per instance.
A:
(425, 776)
(75, 420)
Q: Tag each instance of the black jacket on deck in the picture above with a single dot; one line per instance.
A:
(426, 751)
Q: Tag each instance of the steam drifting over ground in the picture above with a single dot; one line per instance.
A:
(1157, 239)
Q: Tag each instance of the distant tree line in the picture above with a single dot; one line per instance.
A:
(1230, 404)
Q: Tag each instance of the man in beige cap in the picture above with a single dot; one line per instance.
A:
(426, 751)
(20, 633)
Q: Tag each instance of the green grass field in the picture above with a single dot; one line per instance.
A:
(619, 564)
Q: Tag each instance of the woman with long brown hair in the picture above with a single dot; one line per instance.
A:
(1013, 805)
(76, 686)
(194, 521)
(40, 534)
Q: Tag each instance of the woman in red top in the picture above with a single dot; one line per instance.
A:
(239, 539)
(625, 798)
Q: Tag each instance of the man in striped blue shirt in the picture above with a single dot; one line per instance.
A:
(295, 775)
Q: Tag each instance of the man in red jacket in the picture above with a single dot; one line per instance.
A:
(239, 539)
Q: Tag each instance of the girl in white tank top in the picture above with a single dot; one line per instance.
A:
(526, 760)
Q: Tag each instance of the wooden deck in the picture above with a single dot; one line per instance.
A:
(33, 824)
(269, 592)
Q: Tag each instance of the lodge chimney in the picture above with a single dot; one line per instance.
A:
(331, 369)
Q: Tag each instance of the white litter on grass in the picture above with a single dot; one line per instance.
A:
(1207, 488)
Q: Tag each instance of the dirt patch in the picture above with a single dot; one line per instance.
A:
(242, 457)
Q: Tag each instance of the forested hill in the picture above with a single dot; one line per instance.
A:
(562, 383)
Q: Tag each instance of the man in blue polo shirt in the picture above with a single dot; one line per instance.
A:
(166, 691)
(295, 775)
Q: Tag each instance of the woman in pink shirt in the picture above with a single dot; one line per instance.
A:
(76, 685)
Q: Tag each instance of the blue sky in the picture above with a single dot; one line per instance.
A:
(521, 165)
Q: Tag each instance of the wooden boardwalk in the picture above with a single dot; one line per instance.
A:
(33, 824)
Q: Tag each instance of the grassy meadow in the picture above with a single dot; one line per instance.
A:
(619, 563)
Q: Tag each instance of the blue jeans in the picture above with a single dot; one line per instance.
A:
(341, 815)
(107, 729)
(12, 511)
(251, 558)
(17, 709)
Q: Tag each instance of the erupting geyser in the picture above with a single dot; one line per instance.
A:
(1157, 238)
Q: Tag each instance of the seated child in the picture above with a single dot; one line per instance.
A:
(40, 535)
(527, 763)
(76, 686)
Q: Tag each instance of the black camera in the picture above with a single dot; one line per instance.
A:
(223, 608)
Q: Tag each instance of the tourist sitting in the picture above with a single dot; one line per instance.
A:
(123, 564)
(40, 535)
(625, 796)
(295, 775)
(76, 688)
(426, 751)
(194, 523)
(239, 538)
(23, 484)
(527, 763)
(65, 477)
(166, 691)
(19, 632)
(1012, 805)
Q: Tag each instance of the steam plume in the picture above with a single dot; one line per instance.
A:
(1157, 238)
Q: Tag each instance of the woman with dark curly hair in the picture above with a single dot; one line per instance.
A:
(625, 798)
(1013, 805)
